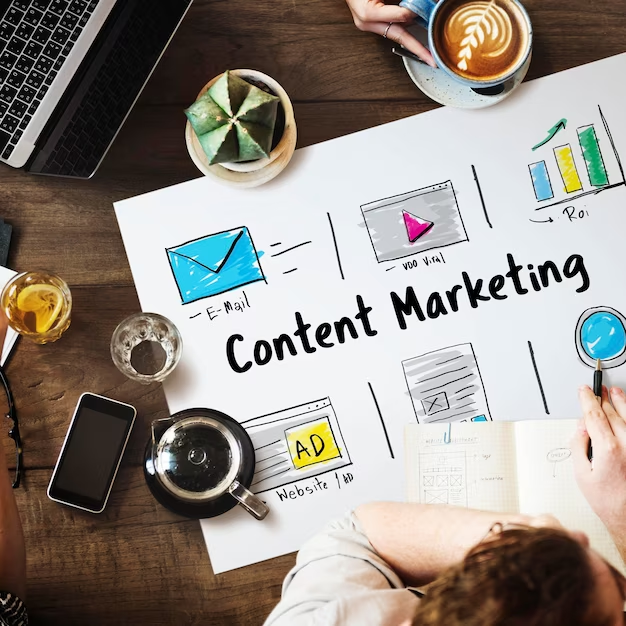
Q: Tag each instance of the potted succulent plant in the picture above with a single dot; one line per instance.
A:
(241, 128)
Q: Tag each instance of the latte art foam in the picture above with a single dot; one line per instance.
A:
(487, 29)
(481, 39)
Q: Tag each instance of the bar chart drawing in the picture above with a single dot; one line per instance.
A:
(586, 164)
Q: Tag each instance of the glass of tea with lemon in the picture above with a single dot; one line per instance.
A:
(37, 305)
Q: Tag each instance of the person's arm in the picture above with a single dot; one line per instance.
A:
(419, 541)
(12, 549)
(603, 480)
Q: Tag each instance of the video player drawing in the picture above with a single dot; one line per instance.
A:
(215, 264)
(414, 222)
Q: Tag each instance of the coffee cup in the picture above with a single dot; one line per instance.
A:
(479, 43)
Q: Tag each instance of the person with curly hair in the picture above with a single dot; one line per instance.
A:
(473, 568)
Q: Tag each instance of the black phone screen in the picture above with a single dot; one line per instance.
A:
(91, 453)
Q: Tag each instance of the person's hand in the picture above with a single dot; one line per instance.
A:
(374, 16)
(603, 480)
(4, 325)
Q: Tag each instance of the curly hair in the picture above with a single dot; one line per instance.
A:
(522, 577)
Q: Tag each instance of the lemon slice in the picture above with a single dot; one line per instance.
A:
(44, 301)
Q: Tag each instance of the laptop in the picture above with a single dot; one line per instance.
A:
(70, 73)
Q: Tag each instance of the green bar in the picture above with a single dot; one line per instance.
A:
(593, 156)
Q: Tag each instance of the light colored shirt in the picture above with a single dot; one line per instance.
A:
(340, 579)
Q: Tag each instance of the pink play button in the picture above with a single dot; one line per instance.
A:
(415, 227)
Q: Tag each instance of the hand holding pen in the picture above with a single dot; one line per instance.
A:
(603, 482)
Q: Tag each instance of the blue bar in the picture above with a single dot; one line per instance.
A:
(541, 181)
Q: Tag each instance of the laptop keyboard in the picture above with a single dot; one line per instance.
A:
(79, 141)
(36, 36)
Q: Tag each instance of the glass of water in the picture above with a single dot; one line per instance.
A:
(146, 347)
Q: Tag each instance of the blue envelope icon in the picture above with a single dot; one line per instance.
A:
(215, 264)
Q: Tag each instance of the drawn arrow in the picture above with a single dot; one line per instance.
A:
(560, 125)
(548, 221)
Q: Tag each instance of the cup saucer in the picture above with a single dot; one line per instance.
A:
(438, 86)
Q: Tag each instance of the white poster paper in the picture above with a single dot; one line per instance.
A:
(456, 265)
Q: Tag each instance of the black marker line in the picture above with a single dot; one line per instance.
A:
(615, 152)
(543, 395)
(463, 389)
(439, 419)
(278, 243)
(408, 195)
(267, 458)
(196, 315)
(593, 192)
(480, 193)
(456, 204)
(464, 405)
(448, 383)
(445, 245)
(268, 478)
(304, 243)
(390, 268)
(281, 419)
(423, 380)
(382, 421)
(448, 361)
(297, 406)
(297, 480)
(267, 444)
(289, 271)
(270, 466)
(332, 230)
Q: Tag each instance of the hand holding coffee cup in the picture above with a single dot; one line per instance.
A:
(374, 16)
(479, 43)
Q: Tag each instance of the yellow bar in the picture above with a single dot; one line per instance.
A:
(567, 167)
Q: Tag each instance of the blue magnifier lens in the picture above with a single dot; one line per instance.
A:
(602, 336)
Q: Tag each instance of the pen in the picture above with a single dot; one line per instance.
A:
(597, 391)
(403, 52)
(597, 380)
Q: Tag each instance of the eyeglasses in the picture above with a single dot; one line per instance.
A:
(14, 431)
(498, 528)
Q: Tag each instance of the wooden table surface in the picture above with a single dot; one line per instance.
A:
(138, 563)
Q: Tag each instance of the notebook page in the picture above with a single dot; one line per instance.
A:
(546, 482)
(11, 336)
(477, 469)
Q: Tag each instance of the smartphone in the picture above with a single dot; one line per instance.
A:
(91, 452)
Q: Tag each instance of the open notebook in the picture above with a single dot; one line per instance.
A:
(517, 467)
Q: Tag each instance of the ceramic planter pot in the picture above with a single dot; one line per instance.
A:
(251, 173)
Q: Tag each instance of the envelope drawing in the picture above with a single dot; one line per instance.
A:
(215, 264)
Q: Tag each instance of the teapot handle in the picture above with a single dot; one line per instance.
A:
(248, 500)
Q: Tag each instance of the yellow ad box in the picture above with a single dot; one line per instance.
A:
(312, 443)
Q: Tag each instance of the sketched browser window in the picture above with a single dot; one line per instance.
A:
(296, 443)
(446, 386)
